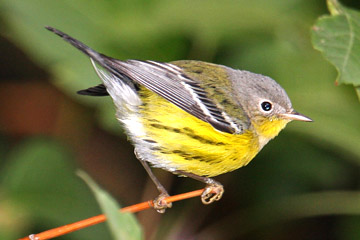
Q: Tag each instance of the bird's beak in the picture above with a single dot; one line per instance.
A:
(296, 116)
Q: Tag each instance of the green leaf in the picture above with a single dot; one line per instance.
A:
(121, 225)
(338, 38)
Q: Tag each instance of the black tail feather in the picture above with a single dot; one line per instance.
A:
(97, 91)
(79, 45)
(104, 61)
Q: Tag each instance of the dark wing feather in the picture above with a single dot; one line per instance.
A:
(99, 90)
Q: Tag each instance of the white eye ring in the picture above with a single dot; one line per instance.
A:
(266, 106)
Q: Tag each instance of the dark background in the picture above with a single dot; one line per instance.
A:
(302, 185)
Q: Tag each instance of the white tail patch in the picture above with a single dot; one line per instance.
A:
(124, 96)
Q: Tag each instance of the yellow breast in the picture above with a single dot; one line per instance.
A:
(183, 142)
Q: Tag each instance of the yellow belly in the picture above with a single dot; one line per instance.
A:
(183, 142)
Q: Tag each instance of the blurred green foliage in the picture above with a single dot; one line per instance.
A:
(303, 185)
(38, 185)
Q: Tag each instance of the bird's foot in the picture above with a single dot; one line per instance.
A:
(160, 204)
(213, 192)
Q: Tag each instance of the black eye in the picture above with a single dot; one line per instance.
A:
(266, 106)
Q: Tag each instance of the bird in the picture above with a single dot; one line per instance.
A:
(189, 117)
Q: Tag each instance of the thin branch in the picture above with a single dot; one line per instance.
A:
(59, 231)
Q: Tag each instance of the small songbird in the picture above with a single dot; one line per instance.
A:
(191, 118)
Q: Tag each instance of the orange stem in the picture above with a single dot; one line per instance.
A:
(59, 231)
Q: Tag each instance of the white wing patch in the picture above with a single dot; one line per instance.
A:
(195, 97)
(232, 123)
(204, 108)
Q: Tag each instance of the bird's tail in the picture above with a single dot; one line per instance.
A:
(98, 57)
(113, 66)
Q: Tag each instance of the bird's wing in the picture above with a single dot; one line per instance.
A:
(178, 87)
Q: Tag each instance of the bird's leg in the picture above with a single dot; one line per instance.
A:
(160, 205)
(213, 190)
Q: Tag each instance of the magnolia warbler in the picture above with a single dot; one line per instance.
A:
(191, 118)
